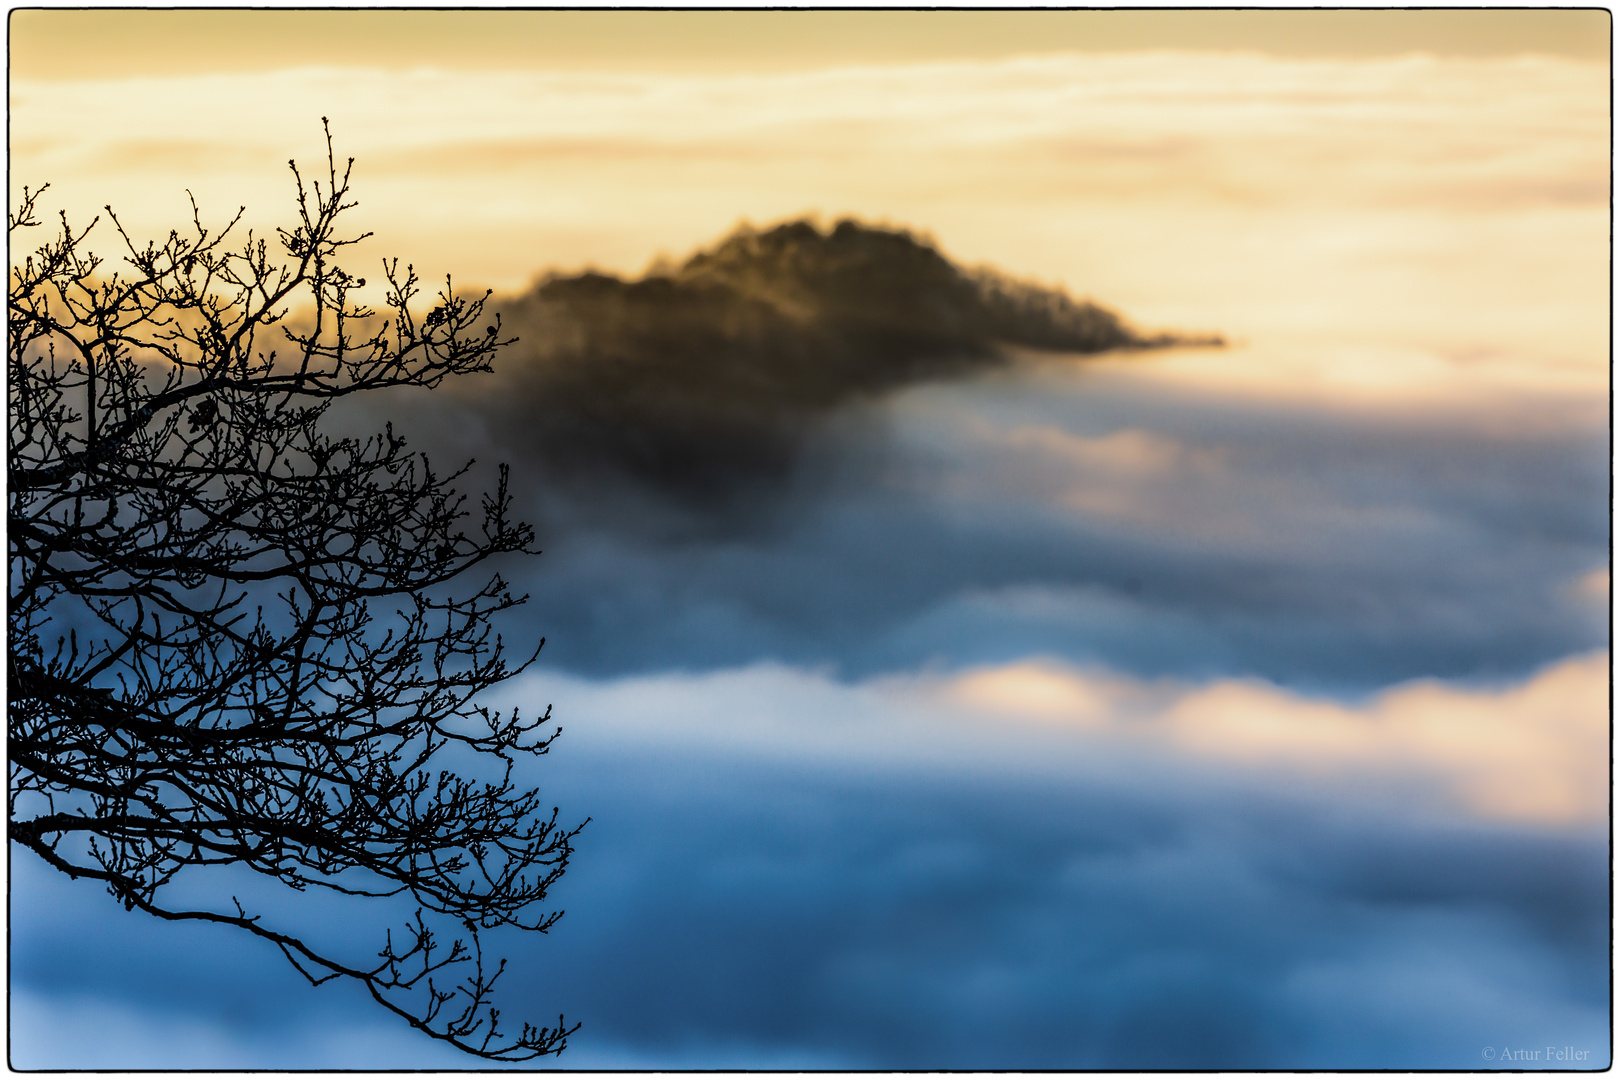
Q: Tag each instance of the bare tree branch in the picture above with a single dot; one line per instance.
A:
(237, 640)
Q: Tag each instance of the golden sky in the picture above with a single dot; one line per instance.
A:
(1417, 193)
(108, 44)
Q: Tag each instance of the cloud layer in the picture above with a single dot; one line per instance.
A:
(1533, 753)
(787, 871)
(1103, 513)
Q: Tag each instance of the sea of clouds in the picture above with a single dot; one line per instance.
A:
(1057, 718)
(1211, 708)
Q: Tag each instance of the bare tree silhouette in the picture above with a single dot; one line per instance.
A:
(234, 640)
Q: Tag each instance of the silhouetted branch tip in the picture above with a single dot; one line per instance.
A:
(236, 640)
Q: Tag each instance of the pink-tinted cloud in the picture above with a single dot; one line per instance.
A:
(1533, 751)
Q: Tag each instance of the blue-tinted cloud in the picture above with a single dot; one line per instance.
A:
(1104, 517)
(786, 871)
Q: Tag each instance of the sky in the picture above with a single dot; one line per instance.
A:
(1197, 708)
(67, 44)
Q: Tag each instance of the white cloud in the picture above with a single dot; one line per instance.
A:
(1534, 751)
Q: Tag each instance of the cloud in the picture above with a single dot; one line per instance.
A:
(1099, 513)
(877, 864)
(118, 1034)
(787, 870)
(1528, 751)
(1534, 752)
(1593, 587)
